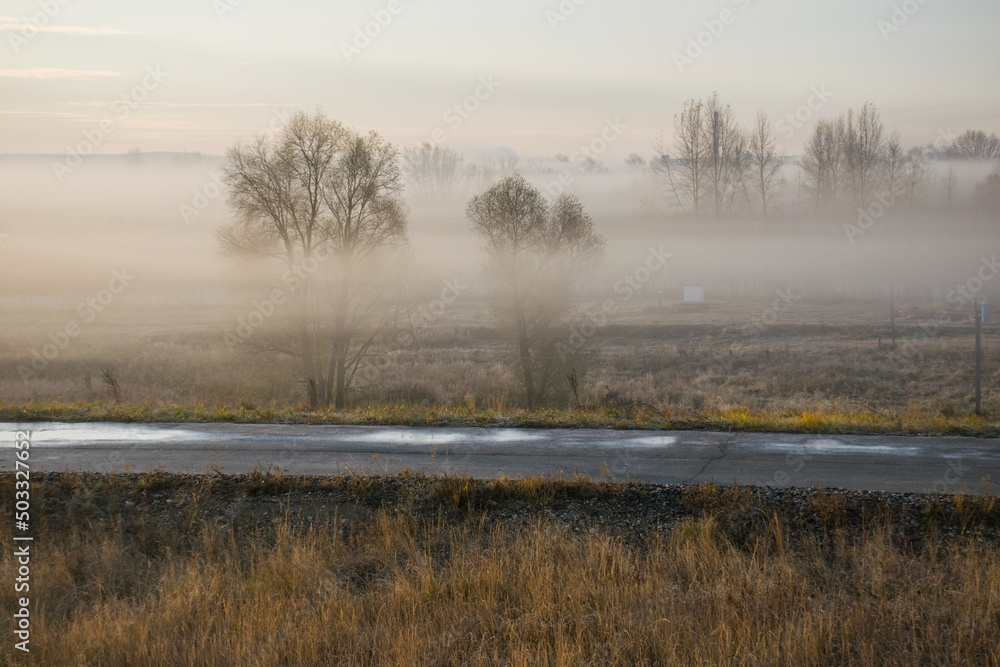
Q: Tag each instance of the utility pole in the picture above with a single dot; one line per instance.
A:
(979, 355)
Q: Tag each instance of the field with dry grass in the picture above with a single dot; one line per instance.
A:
(267, 569)
(831, 358)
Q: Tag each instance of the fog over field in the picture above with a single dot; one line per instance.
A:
(349, 214)
(159, 216)
(533, 332)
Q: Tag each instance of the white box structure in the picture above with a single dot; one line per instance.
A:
(694, 294)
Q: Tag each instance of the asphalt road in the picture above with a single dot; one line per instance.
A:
(873, 463)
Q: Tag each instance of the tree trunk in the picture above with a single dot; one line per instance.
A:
(341, 377)
(310, 365)
(524, 352)
(337, 373)
(529, 380)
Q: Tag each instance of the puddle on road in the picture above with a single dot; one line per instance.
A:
(502, 436)
(651, 441)
(102, 433)
(830, 446)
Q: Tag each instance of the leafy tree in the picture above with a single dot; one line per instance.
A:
(534, 253)
(327, 203)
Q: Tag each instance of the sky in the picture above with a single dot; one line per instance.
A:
(533, 77)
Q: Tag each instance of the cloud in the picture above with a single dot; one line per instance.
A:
(54, 73)
(14, 25)
(187, 105)
(42, 114)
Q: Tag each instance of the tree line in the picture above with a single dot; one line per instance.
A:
(715, 167)
(326, 203)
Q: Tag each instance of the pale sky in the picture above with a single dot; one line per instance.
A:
(559, 82)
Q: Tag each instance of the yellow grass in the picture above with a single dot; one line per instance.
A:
(738, 419)
(117, 586)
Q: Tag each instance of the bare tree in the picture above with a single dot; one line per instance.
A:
(863, 147)
(486, 173)
(534, 253)
(635, 161)
(949, 186)
(317, 194)
(766, 161)
(684, 176)
(728, 159)
(914, 176)
(895, 164)
(987, 192)
(367, 217)
(434, 172)
(974, 145)
(821, 164)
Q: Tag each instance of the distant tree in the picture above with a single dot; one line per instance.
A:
(949, 187)
(635, 161)
(134, 156)
(895, 159)
(562, 157)
(727, 156)
(915, 174)
(974, 145)
(486, 173)
(535, 251)
(821, 163)
(766, 161)
(434, 172)
(318, 195)
(863, 148)
(684, 175)
(987, 193)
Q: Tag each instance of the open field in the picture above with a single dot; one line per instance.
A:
(695, 364)
(268, 569)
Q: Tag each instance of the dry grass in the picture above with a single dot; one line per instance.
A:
(818, 358)
(395, 574)
(739, 419)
